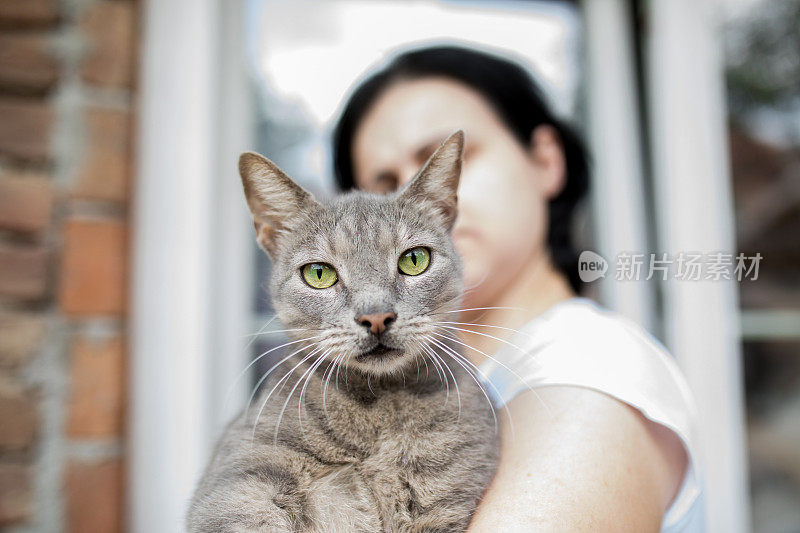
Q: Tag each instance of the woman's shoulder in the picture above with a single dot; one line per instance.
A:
(579, 343)
(579, 336)
(579, 320)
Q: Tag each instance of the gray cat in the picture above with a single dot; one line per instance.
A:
(378, 424)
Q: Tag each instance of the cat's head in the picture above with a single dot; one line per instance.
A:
(364, 276)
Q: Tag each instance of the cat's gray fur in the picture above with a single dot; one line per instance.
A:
(386, 444)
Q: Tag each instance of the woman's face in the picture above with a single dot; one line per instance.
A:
(504, 189)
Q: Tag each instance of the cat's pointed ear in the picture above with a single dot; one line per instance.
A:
(274, 199)
(437, 180)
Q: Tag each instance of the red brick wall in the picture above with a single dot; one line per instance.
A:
(66, 106)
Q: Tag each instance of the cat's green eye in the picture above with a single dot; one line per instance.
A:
(415, 261)
(319, 275)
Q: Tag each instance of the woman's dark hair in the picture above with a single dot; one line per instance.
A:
(518, 101)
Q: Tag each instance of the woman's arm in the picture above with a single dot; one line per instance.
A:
(579, 461)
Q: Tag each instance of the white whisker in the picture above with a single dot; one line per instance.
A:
(440, 372)
(282, 380)
(256, 359)
(522, 350)
(487, 326)
(262, 328)
(273, 367)
(336, 362)
(458, 358)
(300, 403)
(479, 309)
(276, 331)
(511, 370)
(291, 392)
(455, 381)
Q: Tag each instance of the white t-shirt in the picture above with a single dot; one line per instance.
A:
(578, 343)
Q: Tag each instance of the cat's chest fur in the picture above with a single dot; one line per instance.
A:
(401, 452)
(401, 460)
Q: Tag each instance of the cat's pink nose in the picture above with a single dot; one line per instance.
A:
(377, 322)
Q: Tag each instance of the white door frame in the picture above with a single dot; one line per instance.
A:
(616, 187)
(191, 252)
(694, 211)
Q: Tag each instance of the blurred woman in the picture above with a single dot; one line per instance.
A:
(597, 432)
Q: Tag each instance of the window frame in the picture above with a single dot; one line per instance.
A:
(191, 252)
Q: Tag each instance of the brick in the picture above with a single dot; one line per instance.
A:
(109, 28)
(28, 13)
(93, 268)
(96, 400)
(26, 64)
(16, 493)
(104, 170)
(94, 496)
(26, 128)
(19, 416)
(20, 336)
(26, 203)
(23, 272)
